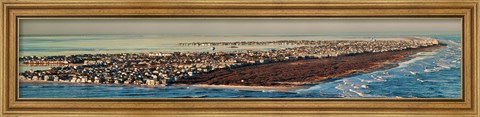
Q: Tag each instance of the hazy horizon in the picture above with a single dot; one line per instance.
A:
(253, 26)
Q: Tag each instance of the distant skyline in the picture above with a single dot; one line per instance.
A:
(243, 26)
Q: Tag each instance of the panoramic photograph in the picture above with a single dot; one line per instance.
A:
(240, 58)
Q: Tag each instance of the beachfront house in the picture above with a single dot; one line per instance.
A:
(74, 79)
(150, 82)
(46, 78)
(35, 78)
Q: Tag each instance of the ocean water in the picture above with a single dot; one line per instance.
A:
(426, 75)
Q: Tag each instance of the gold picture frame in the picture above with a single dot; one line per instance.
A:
(13, 106)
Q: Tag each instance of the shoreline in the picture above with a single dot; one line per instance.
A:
(249, 88)
(43, 82)
(60, 82)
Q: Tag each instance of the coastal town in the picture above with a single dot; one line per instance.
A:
(162, 69)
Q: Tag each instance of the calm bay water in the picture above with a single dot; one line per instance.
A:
(426, 75)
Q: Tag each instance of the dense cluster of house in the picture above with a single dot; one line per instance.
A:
(165, 68)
